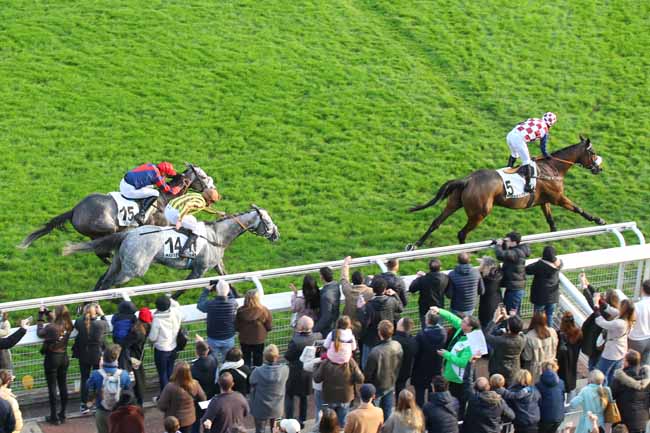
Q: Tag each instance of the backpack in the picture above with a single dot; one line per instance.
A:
(121, 329)
(111, 388)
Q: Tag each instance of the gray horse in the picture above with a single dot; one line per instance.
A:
(96, 215)
(137, 249)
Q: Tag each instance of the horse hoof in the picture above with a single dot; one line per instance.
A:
(600, 221)
(410, 247)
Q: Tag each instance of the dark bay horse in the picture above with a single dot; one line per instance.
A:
(96, 216)
(479, 192)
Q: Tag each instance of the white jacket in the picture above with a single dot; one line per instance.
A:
(165, 327)
(6, 394)
(641, 328)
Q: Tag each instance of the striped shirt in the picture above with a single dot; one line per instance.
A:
(190, 203)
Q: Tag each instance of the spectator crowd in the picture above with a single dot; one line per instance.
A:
(474, 366)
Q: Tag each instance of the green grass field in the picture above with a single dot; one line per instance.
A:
(335, 116)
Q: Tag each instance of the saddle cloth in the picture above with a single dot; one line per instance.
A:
(126, 209)
(175, 239)
(514, 183)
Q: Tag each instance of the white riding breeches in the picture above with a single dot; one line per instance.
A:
(189, 221)
(518, 148)
(129, 191)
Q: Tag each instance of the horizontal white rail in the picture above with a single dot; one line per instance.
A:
(572, 262)
(127, 292)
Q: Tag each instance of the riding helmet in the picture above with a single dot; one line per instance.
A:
(166, 168)
(550, 118)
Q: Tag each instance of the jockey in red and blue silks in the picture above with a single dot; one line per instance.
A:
(139, 184)
(524, 133)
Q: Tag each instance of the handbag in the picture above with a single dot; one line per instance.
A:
(135, 362)
(181, 339)
(612, 414)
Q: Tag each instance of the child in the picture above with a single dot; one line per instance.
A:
(340, 343)
(172, 425)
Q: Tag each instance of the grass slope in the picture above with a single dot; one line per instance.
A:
(335, 116)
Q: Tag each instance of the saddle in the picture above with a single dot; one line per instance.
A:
(513, 170)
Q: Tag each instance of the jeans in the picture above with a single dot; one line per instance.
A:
(56, 374)
(85, 370)
(386, 401)
(221, 347)
(457, 390)
(252, 354)
(607, 366)
(643, 347)
(364, 355)
(548, 427)
(139, 387)
(318, 405)
(463, 313)
(259, 424)
(512, 299)
(341, 410)
(549, 309)
(288, 407)
(164, 365)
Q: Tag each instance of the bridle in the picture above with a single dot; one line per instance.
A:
(592, 159)
(253, 229)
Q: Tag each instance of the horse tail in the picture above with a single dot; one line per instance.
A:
(57, 222)
(104, 245)
(444, 191)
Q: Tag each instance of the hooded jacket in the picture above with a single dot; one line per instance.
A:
(426, 361)
(123, 320)
(631, 390)
(486, 410)
(459, 354)
(268, 384)
(253, 324)
(514, 265)
(524, 401)
(546, 282)
(377, 309)
(164, 328)
(441, 413)
(126, 419)
(551, 404)
(338, 380)
(465, 284)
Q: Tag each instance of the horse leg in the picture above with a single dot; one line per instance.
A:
(568, 204)
(106, 280)
(472, 222)
(453, 204)
(546, 209)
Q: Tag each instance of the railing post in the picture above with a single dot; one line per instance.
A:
(258, 286)
(381, 265)
(621, 267)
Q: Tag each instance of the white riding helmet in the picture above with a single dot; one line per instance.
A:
(549, 118)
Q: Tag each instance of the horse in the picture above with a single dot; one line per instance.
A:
(479, 192)
(135, 250)
(96, 215)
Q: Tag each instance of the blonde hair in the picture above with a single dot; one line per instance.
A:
(271, 353)
(550, 365)
(344, 322)
(497, 381)
(409, 412)
(598, 378)
(523, 377)
(252, 300)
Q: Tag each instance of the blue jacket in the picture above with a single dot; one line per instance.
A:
(465, 285)
(551, 405)
(95, 381)
(221, 313)
(123, 321)
(524, 401)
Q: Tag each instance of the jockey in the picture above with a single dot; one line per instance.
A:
(139, 184)
(178, 212)
(522, 134)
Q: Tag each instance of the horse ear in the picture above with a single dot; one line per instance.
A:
(254, 206)
(582, 138)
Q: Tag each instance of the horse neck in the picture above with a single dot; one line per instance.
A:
(227, 230)
(565, 158)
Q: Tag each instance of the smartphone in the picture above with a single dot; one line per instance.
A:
(30, 319)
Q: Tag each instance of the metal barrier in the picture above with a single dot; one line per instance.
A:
(608, 262)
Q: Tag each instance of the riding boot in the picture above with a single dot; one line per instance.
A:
(528, 176)
(511, 161)
(144, 206)
(185, 251)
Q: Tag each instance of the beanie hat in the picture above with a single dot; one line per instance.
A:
(144, 314)
(514, 236)
(549, 254)
(290, 425)
(163, 303)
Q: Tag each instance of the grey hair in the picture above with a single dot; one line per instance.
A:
(487, 265)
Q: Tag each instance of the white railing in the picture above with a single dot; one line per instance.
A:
(257, 276)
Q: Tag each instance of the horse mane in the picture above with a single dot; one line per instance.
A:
(231, 216)
(567, 149)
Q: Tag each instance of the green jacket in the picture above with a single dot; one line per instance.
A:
(460, 354)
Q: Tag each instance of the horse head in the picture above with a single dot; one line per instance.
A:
(265, 226)
(195, 178)
(588, 157)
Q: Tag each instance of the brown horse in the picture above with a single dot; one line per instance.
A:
(483, 189)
